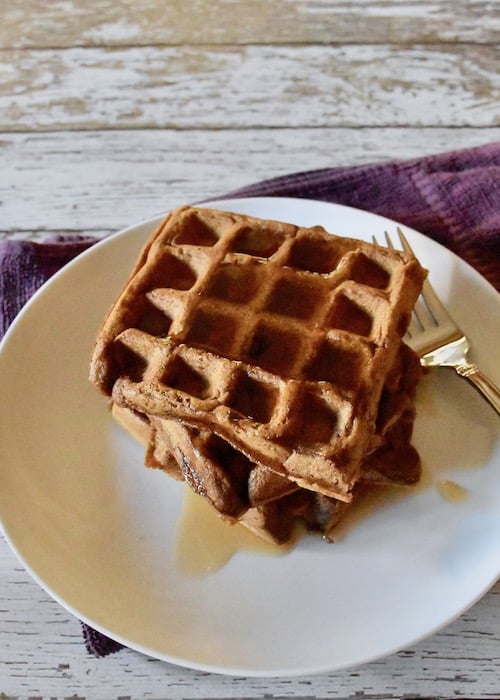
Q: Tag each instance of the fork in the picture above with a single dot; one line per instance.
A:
(437, 339)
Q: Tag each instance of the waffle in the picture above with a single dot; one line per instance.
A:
(394, 460)
(275, 521)
(158, 452)
(268, 503)
(279, 339)
(272, 505)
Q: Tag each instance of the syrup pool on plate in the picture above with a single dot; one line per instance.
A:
(452, 492)
(205, 542)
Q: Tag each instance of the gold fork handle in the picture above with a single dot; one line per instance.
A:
(480, 380)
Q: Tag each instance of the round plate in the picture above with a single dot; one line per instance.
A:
(97, 530)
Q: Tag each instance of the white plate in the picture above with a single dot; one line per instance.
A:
(96, 529)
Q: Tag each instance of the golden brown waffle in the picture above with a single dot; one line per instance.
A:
(395, 460)
(266, 502)
(275, 337)
(158, 450)
(272, 504)
(232, 483)
(276, 521)
(258, 497)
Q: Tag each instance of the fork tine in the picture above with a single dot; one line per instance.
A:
(388, 240)
(434, 305)
(422, 316)
(404, 242)
(444, 344)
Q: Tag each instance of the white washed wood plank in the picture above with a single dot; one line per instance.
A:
(102, 181)
(249, 86)
(78, 22)
(43, 655)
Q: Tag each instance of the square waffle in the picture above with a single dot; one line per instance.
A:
(277, 338)
(266, 502)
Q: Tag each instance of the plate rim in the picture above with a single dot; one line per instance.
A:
(150, 223)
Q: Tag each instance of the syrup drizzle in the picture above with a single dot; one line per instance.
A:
(205, 543)
(452, 492)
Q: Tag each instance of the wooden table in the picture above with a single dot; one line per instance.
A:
(112, 112)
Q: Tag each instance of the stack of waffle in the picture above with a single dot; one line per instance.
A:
(262, 363)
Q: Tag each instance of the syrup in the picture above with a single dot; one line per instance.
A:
(452, 492)
(205, 542)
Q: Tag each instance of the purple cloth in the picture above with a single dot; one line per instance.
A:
(25, 266)
(453, 198)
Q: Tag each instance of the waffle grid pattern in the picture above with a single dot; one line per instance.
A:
(267, 334)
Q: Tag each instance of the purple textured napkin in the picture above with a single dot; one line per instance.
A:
(453, 198)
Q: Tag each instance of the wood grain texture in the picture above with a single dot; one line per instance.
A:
(102, 181)
(112, 111)
(249, 87)
(66, 23)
